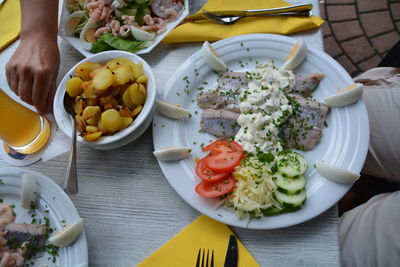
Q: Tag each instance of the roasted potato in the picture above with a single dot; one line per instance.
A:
(137, 93)
(92, 136)
(73, 86)
(126, 121)
(142, 79)
(137, 70)
(103, 79)
(126, 98)
(91, 129)
(111, 120)
(122, 74)
(115, 63)
(90, 111)
(83, 70)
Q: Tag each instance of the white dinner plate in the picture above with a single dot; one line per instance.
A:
(75, 42)
(52, 203)
(344, 142)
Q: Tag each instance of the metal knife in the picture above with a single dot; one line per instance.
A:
(231, 258)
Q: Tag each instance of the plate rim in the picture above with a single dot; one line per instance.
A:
(364, 127)
(41, 179)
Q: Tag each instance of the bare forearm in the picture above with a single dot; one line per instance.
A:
(39, 17)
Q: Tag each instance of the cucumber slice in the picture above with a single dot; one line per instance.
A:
(289, 186)
(291, 164)
(275, 211)
(291, 200)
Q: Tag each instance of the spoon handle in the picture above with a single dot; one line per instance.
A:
(71, 181)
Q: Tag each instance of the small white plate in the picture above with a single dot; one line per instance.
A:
(344, 144)
(61, 211)
(75, 42)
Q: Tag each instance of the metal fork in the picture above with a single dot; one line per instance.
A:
(227, 17)
(207, 262)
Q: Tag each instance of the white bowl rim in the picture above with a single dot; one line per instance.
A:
(60, 114)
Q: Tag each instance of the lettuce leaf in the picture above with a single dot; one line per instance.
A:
(110, 42)
(82, 22)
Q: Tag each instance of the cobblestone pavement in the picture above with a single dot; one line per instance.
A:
(358, 33)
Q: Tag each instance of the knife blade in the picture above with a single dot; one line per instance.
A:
(231, 258)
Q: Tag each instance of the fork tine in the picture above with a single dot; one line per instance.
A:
(202, 258)
(212, 16)
(198, 259)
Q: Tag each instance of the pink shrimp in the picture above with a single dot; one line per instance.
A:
(171, 14)
(104, 13)
(148, 20)
(4, 259)
(162, 29)
(93, 5)
(16, 259)
(125, 31)
(101, 31)
(109, 17)
(115, 27)
(129, 20)
(6, 215)
(95, 16)
(147, 28)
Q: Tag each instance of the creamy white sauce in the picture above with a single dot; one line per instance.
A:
(264, 107)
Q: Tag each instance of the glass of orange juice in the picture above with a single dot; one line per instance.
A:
(22, 129)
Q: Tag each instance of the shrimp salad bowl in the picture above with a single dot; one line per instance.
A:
(136, 26)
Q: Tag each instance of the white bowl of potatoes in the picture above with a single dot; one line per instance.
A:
(114, 94)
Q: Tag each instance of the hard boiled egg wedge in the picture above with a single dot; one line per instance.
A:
(73, 21)
(171, 111)
(141, 35)
(28, 191)
(68, 235)
(336, 174)
(296, 56)
(87, 36)
(345, 97)
(172, 153)
(211, 57)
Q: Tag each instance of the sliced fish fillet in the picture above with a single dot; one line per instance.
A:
(18, 233)
(230, 83)
(303, 130)
(212, 100)
(221, 123)
(306, 84)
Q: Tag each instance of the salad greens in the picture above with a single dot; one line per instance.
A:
(81, 24)
(110, 42)
(75, 5)
(137, 8)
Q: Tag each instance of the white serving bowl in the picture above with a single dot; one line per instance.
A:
(129, 134)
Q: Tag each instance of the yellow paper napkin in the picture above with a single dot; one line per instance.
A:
(207, 30)
(10, 26)
(181, 251)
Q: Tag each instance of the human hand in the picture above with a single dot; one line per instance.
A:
(32, 71)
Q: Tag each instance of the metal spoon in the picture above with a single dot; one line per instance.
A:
(71, 181)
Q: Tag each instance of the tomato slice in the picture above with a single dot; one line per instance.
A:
(224, 156)
(208, 175)
(215, 189)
